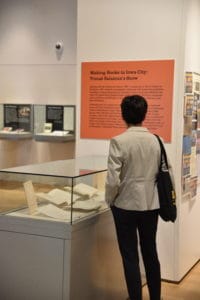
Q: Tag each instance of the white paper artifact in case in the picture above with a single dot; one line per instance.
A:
(83, 190)
(52, 211)
(30, 197)
(87, 205)
(58, 197)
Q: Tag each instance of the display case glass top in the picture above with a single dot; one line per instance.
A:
(64, 191)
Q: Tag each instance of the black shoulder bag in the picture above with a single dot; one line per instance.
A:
(166, 192)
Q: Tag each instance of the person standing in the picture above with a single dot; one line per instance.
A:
(131, 193)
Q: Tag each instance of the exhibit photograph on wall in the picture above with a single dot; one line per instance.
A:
(191, 136)
(104, 84)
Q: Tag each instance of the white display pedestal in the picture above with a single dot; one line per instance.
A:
(50, 260)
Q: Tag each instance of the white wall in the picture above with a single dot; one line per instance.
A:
(142, 30)
(189, 236)
(32, 72)
(127, 30)
(192, 44)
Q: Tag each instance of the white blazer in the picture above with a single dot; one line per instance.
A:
(133, 163)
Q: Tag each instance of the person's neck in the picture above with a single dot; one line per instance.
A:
(134, 125)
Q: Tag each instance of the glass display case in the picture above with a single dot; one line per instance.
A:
(16, 121)
(55, 228)
(54, 123)
(65, 190)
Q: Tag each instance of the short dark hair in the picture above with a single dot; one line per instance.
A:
(134, 109)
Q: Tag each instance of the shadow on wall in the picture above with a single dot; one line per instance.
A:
(19, 153)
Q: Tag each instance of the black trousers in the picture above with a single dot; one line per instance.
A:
(127, 224)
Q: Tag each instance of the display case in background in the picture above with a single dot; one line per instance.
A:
(16, 121)
(54, 123)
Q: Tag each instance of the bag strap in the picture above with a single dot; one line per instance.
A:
(163, 156)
